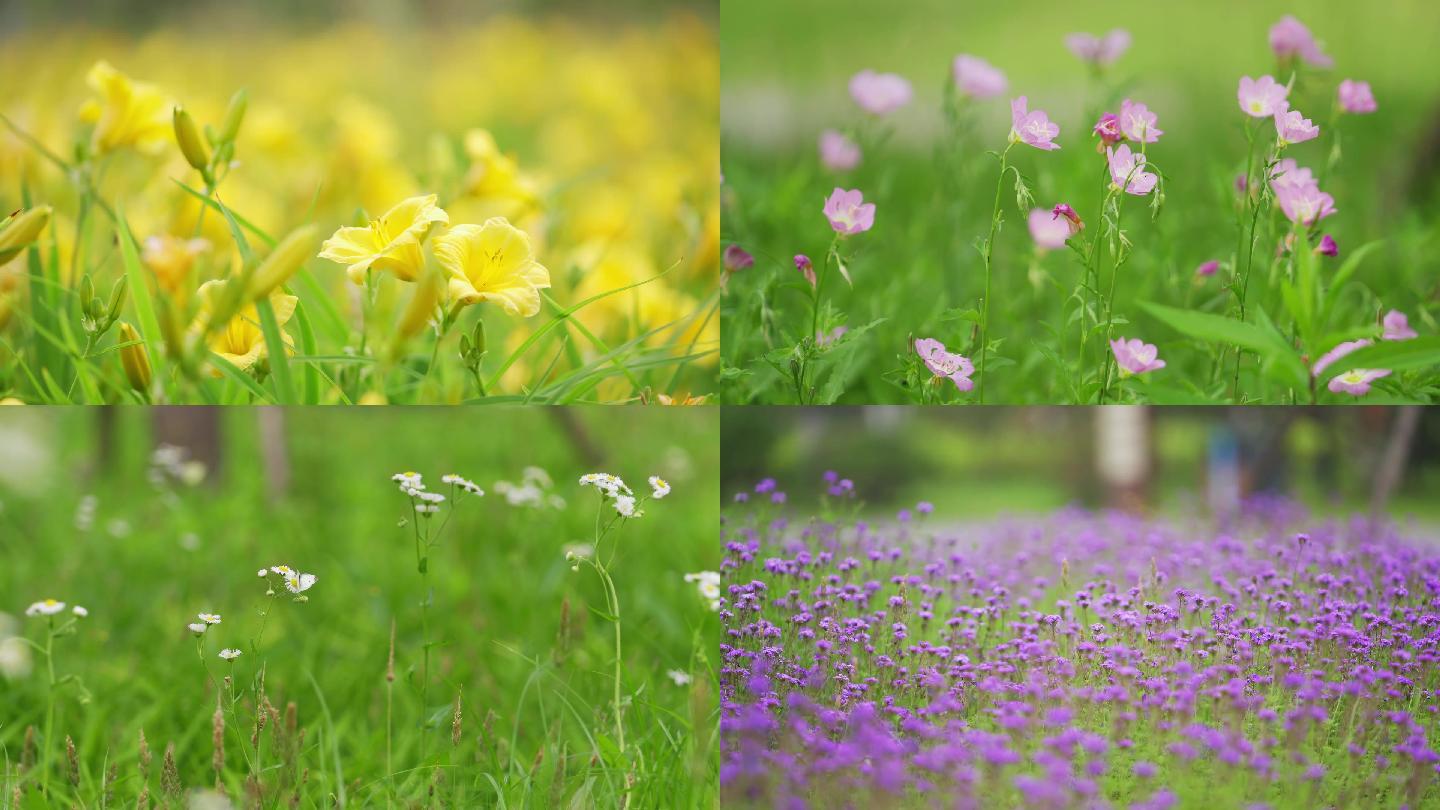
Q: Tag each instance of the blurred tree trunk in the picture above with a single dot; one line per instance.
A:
(1391, 467)
(105, 443)
(196, 429)
(1123, 455)
(274, 451)
(578, 435)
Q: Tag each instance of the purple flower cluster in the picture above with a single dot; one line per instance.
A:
(1079, 660)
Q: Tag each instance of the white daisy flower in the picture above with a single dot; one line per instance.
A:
(209, 618)
(708, 583)
(80, 611)
(575, 551)
(262, 572)
(538, 477)
(432, 497)
(625, 505)
(679, 676)
(299, 583)
(282, 570)
(49, 607)
(659, 487)
(198, 628)
(611, 485)
(408, 480)
(450, 478)
(426, 508)
(229, 654)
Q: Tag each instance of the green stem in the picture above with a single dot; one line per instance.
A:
(989, 253)
(49, 705)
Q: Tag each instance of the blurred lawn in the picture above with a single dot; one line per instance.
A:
(151, 561)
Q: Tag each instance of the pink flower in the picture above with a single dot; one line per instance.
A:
(1127, 171)
(1033, 128)
(837, 152)
(977, 78)
(848, 212)
(1261, 98)
(737, 259)
(802, 263)
(1099, 51)
(1290, 37)
(943, 363)
(1291, 126)
(1355, 97)
(824, 341)
(1336, 353)
(1397, 327)
(1136, 356)
(1289, 173)
(1064, 210)
(1048, 230)
(1207, 269)
(1108, 128)
(1305, 204)
(879, 93)
(1327, 246)
(1356, 381)
(1138, 123)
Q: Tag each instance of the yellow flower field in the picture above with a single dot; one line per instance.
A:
(512, 209)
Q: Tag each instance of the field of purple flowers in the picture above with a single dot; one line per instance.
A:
(1076, 660)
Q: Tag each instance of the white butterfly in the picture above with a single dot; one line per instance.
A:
(299, 583)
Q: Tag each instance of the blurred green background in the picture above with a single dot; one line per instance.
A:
(83, 521)
(977, 463)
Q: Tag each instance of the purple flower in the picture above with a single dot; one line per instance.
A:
(737, 259)
(1356, 381)
(1263, 97)
(1108, 128)
(1290, 38)
(1145, 770)
(1099, 51)
(1207, 269)
(945, 364)
(848, 212)
(1336, 353)
(1327, 246)
(925, 507)
(1136, 356)
(1127, 171)
(1033, 128)
(1299, 195)
(1355, 97)
(1293, 127)
(1048, 231)
(1397, 326)
(802, 263)
(837, 152)
(1064, 210)
(977, 78)
(1138, 123)
(879, 93)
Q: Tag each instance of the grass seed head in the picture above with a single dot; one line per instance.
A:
(169, 774)
(72, 762)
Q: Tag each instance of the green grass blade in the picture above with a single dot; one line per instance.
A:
(138, 289)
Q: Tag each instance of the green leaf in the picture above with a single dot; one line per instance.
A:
(275, 350)
(230, 370)
(139, 290)
(1219, 329)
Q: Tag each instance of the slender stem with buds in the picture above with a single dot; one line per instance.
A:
(989, 253)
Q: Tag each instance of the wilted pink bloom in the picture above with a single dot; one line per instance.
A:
(737, 259)
(1127, 171)
(1208, 268)
(1136, 356)
(1355, 97)
(943, 363)
(1290, 37)
(879, 93)
(1262, 97)
(1291, 126)
(837, 152)
(1397, 326)
(823, 340)
(1108, 128)
(1336, 353)
(977, 78)
(1099, 50)
(1138, 123)
(1356, 381)
(1242, 183)
(1327, 246)
(802, 263)
(1064, 210)
(1034, 128)
(848, 212)
(1305, 204)
(1049, 231)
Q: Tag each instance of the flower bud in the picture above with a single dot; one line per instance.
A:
(189, 139)
(134, 359)
(117, 298)
(284, 260)
(234, 114)
(20, 229)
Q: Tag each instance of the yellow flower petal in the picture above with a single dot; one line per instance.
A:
(492, 262)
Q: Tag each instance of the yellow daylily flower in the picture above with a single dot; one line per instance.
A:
(492, 262)
(391, 242)
(171, 259)
(129, 113)
(240, 340)
(492, 172)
